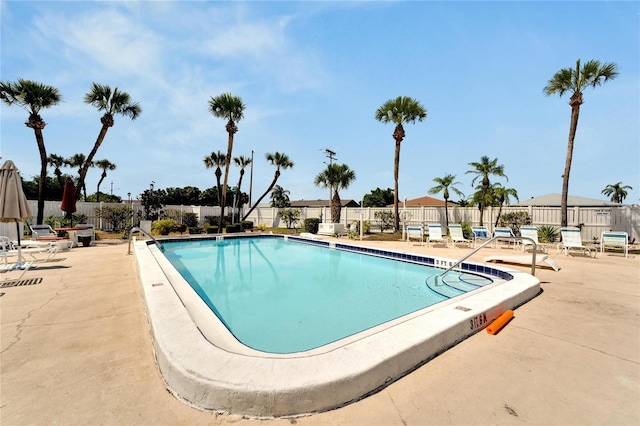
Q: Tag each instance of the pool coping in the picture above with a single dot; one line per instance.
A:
(220, 377)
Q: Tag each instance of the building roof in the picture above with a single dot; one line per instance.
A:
(555, 200)
(323, 203)
(426, 202)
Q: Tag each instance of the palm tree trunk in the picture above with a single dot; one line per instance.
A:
(104, 175)
(273, 183)
(398, 135)
(576, 101)
(446, 211)
(239, 196)
(336, 208)
(43, 173)
(87, 162)
(231, 128)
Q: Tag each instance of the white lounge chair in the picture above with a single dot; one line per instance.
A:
(524, 259)
(435, 234)
(480, 233)
(613, 239)
(415, 232)
(39, 254)
(457, 236)
(571, 239)
(23, 267)
(531, 231)
(505, 233)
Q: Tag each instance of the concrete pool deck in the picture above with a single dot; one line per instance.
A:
(76, 348)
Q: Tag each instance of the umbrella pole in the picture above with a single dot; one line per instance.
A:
(19, 246)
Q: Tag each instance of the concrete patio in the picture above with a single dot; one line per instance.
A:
(76, 349)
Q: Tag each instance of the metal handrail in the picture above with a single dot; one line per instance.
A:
(474, 251)
(137, 229)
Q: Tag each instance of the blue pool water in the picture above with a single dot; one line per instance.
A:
(282, 296)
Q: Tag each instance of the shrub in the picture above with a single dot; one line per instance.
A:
(163, 226)
(190, 219)
(118, 216)
(514, 221)
(290, 216)
(236, 227)
(195, 230)
(246, 224)
(548, 234)
(311, 225)
(386, 219)
(210, 229)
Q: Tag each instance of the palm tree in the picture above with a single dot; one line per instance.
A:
(617, 192)
(77, 160)
(230, 108)
(111, 102)
(400, 110)
(57, 161)
(33, 97)
(501, 197)
(281, 161)
(335, 177)
(444, 184)
(280, 197)
(482, 170)
(242, 162)
(593, 74)
(216, 159)
(104, 165)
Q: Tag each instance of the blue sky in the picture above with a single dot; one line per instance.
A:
(312, 75)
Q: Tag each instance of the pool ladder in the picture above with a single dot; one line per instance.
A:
(137, 229)
(438, 278)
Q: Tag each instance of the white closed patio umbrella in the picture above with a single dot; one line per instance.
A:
(13, 204)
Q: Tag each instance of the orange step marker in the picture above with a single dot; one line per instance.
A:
(500, 322)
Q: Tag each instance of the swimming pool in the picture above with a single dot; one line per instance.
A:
(284, 296)
(205, 365)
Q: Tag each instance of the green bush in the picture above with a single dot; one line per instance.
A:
(210, 229)
(386, 219)
(236, 227)
(311, 225)
(193, 230)
(163, 226)
(190, 219)
(548, 234)
(246, 224)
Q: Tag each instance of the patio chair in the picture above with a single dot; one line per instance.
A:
(507, 234)
(23, 267)
(480, 233)
(571, 239)
(435, 234)
(415, 232)
(86, 231)
(616, 240)
(531, 231)
(39, 254)
(457, 236)
(45, 233)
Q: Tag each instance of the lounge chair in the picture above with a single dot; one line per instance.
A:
(508, 236)
(435, 234)
(45, 233)
(480, 233)
(571, 239)
(618, 240)
(18, 266)
(415, 232)
(531, 231)
(39, 254)
(456, 235)
(85, 231)
(524, 259)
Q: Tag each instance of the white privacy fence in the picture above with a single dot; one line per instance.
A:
(592, 220)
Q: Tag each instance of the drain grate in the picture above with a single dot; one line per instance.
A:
(30, 281)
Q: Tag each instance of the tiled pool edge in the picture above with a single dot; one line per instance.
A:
(211, 378)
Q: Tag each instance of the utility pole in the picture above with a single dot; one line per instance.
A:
(331, 156)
